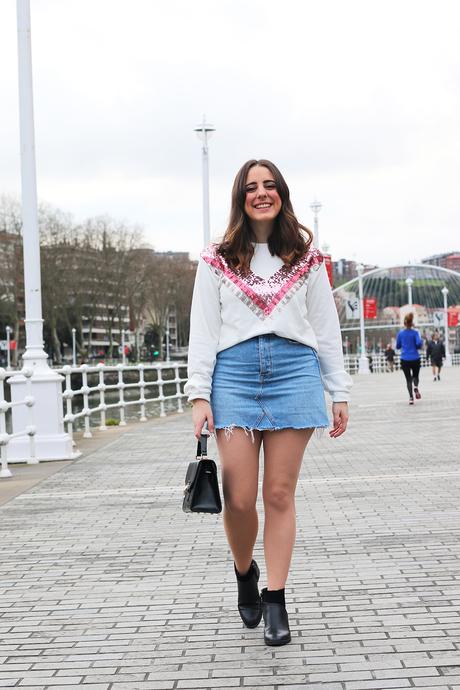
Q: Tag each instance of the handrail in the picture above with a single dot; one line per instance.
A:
(100, 389)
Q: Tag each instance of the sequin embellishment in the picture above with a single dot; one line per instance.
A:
(262, 295)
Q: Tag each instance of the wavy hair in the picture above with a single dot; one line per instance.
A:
(286, 240)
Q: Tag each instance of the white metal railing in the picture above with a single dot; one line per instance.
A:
(100, 388)
(379, 364)
(5, 409)
(96, 385)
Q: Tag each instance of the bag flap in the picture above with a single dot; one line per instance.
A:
(192, 470)
(205, 465)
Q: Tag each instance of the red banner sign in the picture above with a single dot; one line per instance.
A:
(370, 308)
(328, 264)
(452, 317)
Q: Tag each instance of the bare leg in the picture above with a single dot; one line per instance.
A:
(239, 459)
(283, 454)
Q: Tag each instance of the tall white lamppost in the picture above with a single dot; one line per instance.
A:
(8, 351)
(448, 360)
(51, 441)
(316, 207)
(409, 283)
(363, 363)
(74, 347)
(204, 131)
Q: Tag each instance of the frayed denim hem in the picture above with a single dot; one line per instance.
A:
(228, 430)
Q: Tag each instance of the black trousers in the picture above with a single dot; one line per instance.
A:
(411, 369)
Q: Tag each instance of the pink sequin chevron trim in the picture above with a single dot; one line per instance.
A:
(262, 295)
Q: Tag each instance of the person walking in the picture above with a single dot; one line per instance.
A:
(265, 343)
(436, 352)
(410, 342)
(390, 357)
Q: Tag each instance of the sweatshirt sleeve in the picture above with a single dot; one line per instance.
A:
(205, 324)
(323, 317)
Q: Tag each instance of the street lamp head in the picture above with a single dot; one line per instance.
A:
(205, 130)
(316, 206)
(409, 282)
(360, 269)
(445, 291)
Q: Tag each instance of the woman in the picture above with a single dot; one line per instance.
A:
(264, 340)
(436, 352)
(390, 357)
(410, 342)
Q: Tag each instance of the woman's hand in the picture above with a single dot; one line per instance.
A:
(201, 413)
(340, 414)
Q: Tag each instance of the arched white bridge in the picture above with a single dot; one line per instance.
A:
(389, 293)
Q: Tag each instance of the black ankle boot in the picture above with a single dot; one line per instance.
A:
(249, 604)
(275, 617)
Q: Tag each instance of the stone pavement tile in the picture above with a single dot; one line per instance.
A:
(145, 685)
(406, 672)
(341, 675)
(210, 683)
(243, 669)
(310, 686)
(31, 681)
(438, 680)
(377, 684)
(86, 686)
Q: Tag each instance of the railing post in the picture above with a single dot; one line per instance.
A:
(121, 398)
(160, 383)
(143, 418)
(178, 393)
(68, 396)
(4, 472)
(101, 387)
(31, 429)
(85, 390)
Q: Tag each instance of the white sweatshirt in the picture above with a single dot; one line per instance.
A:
(293, 302)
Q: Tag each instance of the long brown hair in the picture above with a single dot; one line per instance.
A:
(286, 239)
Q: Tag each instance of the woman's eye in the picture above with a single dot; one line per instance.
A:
(270, 185)
(251, 189)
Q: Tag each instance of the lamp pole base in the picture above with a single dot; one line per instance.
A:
(46, 415)
(363, 365)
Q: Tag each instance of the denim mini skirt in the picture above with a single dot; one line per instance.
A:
(268, 382)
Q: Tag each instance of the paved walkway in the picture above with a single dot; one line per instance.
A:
(106, 584)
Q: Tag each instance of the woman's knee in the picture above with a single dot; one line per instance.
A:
(278, 498)
(238, 504)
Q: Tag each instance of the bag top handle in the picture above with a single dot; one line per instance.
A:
(202, 446)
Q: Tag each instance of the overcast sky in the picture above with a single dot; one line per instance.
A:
(357, 103)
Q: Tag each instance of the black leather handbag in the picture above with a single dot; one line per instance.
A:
(201, 492)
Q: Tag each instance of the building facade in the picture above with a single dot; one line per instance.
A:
(450, 260)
